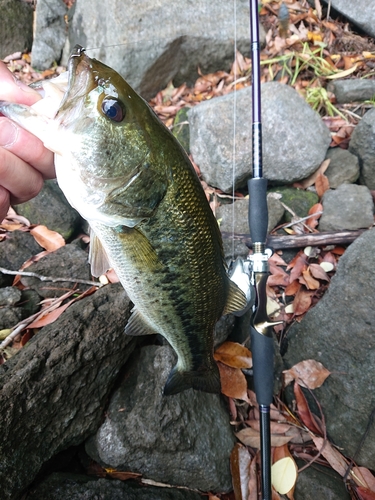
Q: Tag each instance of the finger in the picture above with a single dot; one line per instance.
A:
(21, 180)
(14, 90)
(27, 147)
(4, 202)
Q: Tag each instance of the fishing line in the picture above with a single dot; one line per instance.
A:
(234, 120)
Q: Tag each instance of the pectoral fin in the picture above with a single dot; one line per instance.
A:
(97, 256)
(236, 299)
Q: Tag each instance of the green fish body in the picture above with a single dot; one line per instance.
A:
(122, 169)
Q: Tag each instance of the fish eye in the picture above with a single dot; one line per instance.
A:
(113, 109)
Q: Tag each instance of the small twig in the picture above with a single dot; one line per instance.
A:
(23, 324)
(49, 278)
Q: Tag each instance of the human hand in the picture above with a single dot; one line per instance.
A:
(24, 161)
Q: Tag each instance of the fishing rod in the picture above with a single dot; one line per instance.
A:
(260, 327)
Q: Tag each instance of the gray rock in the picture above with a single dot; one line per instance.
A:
(50, 208)
(298, 201)
(183, 440)
(343, 167)
(362, 144)
(53, 391)
(360, 12)
(295, 139)
(9, 315)
(9, 296)
(339, 332)
(318, 482)
(349, 207)
(79, 487)
(128, 37)
(352, 90)
(69, 261)
(16, 249)
(224, 215)
(16, 32)
(50, 33)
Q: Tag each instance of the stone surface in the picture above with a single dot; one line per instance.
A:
(53, 391)
(297, 200)
(224, 214)
(69, 261)
(348, 207)
(359, 12)
(362, 144)
(352, 90)
(78, 487)
(49, 34)
(50, 208)
(295, 140)
(16, 32)
(183, 439)
(15, 249)
(151, 44)
(343, 167)
(318, 483)
(339, 332)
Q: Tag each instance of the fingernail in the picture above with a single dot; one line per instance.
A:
(8, 133)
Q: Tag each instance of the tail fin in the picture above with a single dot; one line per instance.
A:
(206, 380)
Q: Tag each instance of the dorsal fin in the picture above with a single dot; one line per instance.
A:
(236, 300)
(97, 256)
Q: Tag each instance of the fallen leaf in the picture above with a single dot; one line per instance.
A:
(327, 266)
(253, 483)
(308, 419)
(50, 240)
(234, 354)
(284, 475)
(310, 180)
(332, 455)
(251, 437)
(233, 382)
(317, 270)
(363, 477)
(302, 302)
(364, 493)
(321, 184)
(293, 288)
(240, 468)
(308, 280)
(308, 373)
(315, 212)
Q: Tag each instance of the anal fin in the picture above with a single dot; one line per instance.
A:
(137, 325)
(236, 300)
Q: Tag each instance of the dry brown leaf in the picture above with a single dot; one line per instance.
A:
(46, 238)
(363, 477)
(308, 419)
(310, 181)
(318, 272)
(308, 280)
(251, 437)
(308, 373)
(292, 288)
(364, 493)
(332, 455)
(233, 382)
(315, 212)
(321, 184)
(240, 468)
(234, 354)
(302, 302)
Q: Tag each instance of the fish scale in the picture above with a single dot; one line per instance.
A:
(127, 175)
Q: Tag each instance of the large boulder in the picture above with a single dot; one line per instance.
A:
(53, 391)
(16, 32)
(295, 140)
(153, 43)
(339, 332)
(362, 144)
(183, 439)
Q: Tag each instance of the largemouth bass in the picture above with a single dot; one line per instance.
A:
(126, 174)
